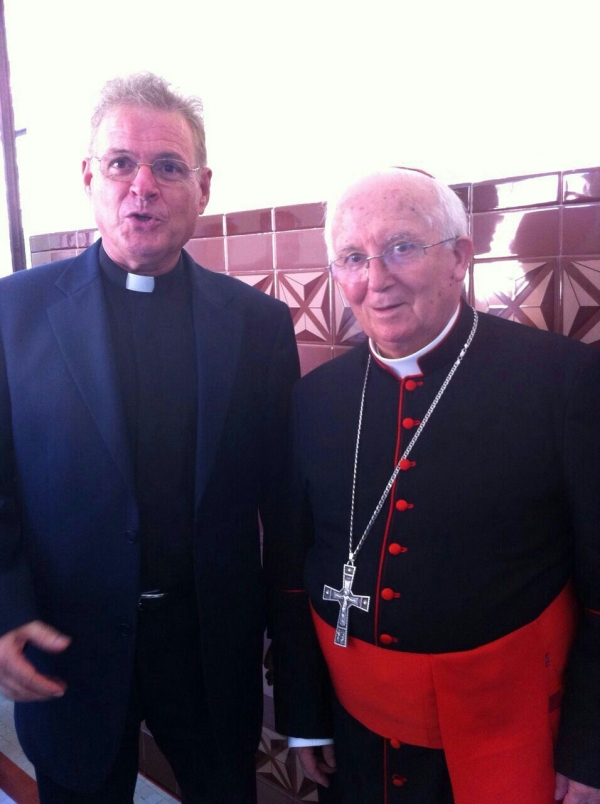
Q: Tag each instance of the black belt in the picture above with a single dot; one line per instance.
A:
(157, 599)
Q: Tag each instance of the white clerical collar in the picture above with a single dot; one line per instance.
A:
(409, 366)
(143, 284)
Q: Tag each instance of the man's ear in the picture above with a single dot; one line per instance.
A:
(463, 254)
(86, 170)
(205, 178)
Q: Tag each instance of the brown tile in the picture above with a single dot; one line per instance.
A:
(520, 291)
(17, 784)
(153, 764)
(53, 241)
(250, 221)
(581, 186)
(39, 258)
(524, 191)
(251, 252)
(341, 350)
(346, 329)
(62, 254)
(300, 249)
(312, 356)
(85, 237)
(267, 794)
(581, 299)
(280, 769)
(308, 295)
(463, 191)
(264, 281)
(299, 216)
(581, 230)
(209, 226)
(517, 234)
(208, 252)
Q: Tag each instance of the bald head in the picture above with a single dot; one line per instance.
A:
(436, 203)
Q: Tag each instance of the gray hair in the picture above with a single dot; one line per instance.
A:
(448, 217)
(152, 92)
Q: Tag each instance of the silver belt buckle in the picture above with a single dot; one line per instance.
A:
(153, 595)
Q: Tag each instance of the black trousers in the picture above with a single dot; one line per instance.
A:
(168, 693)
(372, 770)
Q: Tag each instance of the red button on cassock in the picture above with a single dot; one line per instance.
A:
(406, 464)
(410, 385)
(395, 743)
(402, 505)
(398, 780)
(395, 549)
(408, 423)
(389, 594)
(386, 639)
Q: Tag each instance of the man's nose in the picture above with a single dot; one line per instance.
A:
(144, 183)
(380, 276)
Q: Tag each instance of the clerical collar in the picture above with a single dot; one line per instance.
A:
(143, 284)
(163, 283)
(409, 366)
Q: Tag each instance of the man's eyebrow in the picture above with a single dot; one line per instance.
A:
(404, 236)
(159, 155)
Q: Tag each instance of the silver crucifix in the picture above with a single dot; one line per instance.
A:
(346, 598)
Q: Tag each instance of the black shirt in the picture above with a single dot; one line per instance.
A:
(153, 337)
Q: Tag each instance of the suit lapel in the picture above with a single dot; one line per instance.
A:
(218, 332)
(81, 326)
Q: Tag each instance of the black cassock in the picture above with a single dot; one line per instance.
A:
(498, 510)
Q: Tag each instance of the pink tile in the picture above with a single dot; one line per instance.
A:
(308, 295)
(581, 186)
(520, 291)
(517, 234)
(264, 282)
(85, 237)
(301, 249)
(341, 350)
(209, 226)
(39, 258)
(208, 252)
(53, 241)
(523, 191)
(581, 229)
(346, 330)
(251, 252)
(299, 216)
(42, 257)
(581, 299)
(312, 356)
(248, 222)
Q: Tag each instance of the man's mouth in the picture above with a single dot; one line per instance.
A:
(140, 216)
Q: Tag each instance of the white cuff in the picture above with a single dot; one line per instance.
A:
(304, 742)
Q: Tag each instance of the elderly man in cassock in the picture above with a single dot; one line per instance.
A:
(439, 610)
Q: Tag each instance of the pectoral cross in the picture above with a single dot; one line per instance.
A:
(346, 598)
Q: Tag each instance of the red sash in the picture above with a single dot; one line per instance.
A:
(494, 710)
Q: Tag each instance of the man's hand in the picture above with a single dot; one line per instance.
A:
(570, 792)
(19, 680)
(317, 762)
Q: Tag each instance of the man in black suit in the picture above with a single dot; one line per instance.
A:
(143, 419)
(449, 470)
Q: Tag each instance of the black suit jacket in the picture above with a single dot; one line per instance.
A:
(69, 553)
(504, 509)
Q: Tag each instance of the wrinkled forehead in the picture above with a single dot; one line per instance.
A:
(382, 205)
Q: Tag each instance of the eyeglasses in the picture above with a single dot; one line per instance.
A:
(354, 267)
(124, 168)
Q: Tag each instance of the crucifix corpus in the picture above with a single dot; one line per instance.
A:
(346, 598)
